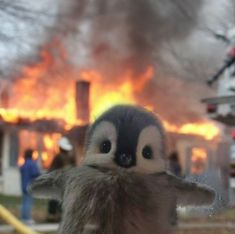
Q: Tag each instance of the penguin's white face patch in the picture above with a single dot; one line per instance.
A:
(150, 151)
(102, 145)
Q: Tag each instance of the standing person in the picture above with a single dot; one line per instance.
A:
(175, 168)
(65, 158)
(28, 171)
(174, 164)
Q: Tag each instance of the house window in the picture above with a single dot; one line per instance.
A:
(199, 161)
(14, 149)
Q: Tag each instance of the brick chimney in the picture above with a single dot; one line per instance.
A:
(82, 101)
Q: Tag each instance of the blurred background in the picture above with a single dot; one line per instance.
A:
(62, 63)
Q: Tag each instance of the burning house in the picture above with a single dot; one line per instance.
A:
(37, 110)
(19, 132)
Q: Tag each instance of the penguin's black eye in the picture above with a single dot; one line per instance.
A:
(147, 152)
(105, 147)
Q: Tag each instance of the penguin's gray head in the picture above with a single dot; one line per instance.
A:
(127, 137)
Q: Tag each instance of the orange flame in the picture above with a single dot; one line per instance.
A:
(47, 151)
(208, 130)
(199, 153)
(199, 160)
(38, 96)
(44, 93)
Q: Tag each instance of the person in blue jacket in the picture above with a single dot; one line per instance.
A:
(29, 171)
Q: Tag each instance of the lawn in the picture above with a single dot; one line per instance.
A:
(40, 208)
(211, 231)
(14, 203)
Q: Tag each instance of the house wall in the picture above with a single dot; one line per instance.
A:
(11, 185)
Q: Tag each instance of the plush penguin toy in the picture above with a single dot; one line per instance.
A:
(122, 186)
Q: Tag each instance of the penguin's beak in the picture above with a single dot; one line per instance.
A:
(125, 160)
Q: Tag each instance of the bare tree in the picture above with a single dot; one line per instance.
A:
(24, 26)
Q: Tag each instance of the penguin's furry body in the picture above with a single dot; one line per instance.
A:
(111, 193)
(117, 202)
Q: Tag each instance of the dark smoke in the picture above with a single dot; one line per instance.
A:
(175, 99)
(127, 33)
(114, 35)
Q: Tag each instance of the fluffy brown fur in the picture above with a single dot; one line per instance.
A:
(103, 201)
(116, 202)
